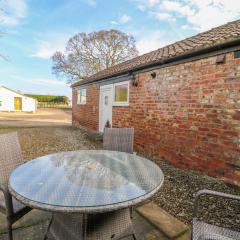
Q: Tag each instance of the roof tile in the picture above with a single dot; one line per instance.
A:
(215, 36)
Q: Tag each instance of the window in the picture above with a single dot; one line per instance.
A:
(106, 100)
(237, 54)
(82, 96)
(121, 92)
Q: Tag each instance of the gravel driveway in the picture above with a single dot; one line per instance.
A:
(43, 117)
(177, 194)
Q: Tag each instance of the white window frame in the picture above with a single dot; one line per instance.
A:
(78, 98)
(121, 103)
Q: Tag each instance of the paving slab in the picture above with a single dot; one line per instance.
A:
(171, 227)
(32, 218)
(33, 226)
(185, 236)
(36, 231)
(145, 230)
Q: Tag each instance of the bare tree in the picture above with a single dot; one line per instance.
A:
(86, 54)
(1, 32)
(1, 55)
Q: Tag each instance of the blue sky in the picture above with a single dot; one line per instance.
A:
(35, 29)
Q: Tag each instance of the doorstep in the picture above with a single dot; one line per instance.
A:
(169, 226)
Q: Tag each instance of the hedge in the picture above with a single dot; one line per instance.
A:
(49, 98)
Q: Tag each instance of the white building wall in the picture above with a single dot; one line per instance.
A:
(29, 104)
(7, 101)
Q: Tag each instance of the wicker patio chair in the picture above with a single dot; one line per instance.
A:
(10, 158)
(205, 231)
(118, 139)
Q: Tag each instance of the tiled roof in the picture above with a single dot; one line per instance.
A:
(215, 36)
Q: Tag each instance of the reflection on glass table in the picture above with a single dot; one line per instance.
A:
(94, 184)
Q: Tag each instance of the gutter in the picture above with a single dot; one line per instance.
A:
(169, 60)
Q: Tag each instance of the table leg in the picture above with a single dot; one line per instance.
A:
(102, 226)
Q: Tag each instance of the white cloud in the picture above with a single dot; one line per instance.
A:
(178, 7)
(91, 2)
(153, 2)
(45, 50)
(200, 15)
(54, 41)
(151, 41)
(38, 81)
(211, 13)
(164, 16)
(12, 11)
(46, 82)
(122, 20)
(186, 27)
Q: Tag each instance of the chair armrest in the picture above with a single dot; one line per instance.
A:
(7, 198)
(217, 194)
(212, 193)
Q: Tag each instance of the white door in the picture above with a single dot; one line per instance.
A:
(105, 113)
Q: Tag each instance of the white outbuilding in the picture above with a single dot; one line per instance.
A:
(11, 100)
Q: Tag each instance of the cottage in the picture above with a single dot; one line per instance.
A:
(183, 101)
(11, 100)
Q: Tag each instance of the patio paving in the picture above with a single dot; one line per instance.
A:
(34, 225)
(31, 227)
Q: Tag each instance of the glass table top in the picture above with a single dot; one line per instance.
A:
(88, 178)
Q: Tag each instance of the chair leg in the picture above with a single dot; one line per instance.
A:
(131, 212)
(84, 230)
(134, 237)
(10, 235)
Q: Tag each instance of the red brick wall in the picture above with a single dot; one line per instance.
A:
(190, 115)
(86, 115)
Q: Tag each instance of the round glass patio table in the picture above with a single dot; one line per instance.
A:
(96, 184)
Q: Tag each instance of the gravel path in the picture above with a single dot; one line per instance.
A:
(177, 194)
(40, 141)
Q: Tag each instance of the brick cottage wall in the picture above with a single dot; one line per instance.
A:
(190, 115)
(86, 115)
